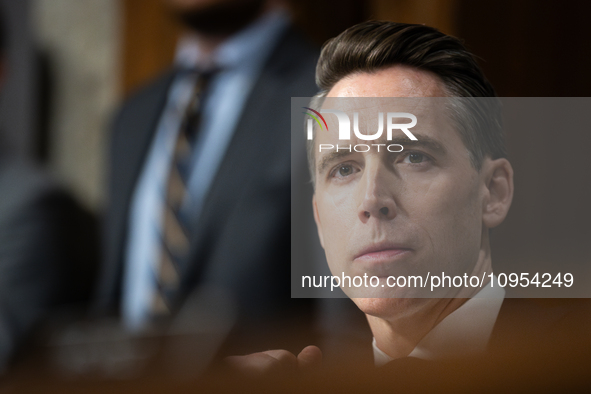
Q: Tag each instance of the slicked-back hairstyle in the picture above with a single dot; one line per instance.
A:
(375, 45)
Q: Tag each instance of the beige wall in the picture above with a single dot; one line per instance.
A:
(81, 39)
(436, 13)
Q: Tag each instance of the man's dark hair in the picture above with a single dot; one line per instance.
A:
(375, 45)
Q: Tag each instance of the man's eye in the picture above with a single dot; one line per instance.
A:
(415, 158)
(345, 170)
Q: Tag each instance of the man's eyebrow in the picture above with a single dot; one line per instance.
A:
(331, 157)
(422, 141)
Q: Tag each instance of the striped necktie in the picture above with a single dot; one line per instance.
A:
(174, 234)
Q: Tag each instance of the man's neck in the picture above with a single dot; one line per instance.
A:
(397, 336)
(209, 43)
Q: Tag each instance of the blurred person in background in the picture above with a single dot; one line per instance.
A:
(47, 249)
(199, 181)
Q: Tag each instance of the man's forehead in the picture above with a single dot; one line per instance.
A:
(394, 81)
(399, 88)
(367, 108)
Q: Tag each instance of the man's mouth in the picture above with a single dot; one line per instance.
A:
(380, 252)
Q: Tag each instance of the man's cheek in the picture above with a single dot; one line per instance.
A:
(441, 199)
(338, 212)
(335, 239)
(340, 198)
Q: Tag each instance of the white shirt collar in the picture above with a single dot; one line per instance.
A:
(463, 332)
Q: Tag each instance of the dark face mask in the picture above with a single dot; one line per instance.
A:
(223, 18)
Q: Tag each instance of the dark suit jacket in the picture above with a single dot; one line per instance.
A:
(242, 240)
(526, 322)
(537, 345)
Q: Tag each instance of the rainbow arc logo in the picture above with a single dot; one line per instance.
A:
(316, 118)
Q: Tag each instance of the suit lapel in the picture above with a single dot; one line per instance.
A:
(133, 132)
(263, 131)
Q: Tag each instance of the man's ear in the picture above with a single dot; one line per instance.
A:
(317, 220)
(498, 177)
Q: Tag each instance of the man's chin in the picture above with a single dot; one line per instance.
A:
(386, 308)
(382, 289)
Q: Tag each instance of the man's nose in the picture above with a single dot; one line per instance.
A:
(377, 196)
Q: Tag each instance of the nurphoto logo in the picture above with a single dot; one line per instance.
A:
(392, 119)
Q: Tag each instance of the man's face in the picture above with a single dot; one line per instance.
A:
(407, 213)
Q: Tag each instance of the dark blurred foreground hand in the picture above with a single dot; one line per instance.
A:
(274, 362)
